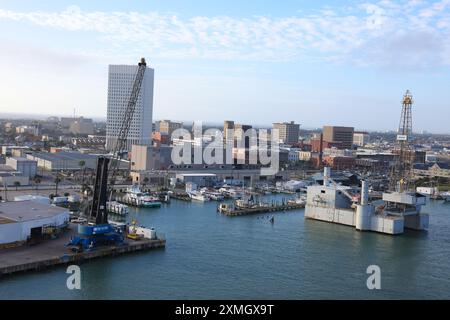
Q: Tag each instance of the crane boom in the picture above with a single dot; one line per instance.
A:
(106, 169)
(121, 142)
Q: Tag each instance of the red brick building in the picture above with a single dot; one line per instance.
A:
(339, 163)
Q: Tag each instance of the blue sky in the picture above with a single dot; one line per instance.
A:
(314, 62)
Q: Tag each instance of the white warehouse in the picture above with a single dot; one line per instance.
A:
(21, 221)
(26, 166)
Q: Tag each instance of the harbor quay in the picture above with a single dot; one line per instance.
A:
(54, 253)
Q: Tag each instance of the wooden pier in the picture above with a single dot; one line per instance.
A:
(260, 209)
(183, 196)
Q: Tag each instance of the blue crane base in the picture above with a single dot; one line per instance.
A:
(92, 236)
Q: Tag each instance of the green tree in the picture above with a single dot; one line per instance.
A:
(82, 165)
(37, 181)
(17, 184)
(145, 182)
(57, 181)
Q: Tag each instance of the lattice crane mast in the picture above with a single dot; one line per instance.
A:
(121, 142)
(107, 168)
(400, 179)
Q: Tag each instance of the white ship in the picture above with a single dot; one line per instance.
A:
(334, 203)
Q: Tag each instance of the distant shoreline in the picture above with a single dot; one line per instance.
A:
(16, 116)
(187, 123)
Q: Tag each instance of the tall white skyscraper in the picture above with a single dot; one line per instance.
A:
(120, 83)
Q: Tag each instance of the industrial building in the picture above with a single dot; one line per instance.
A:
(17, 171)
(438, 169)
(199, 179)
(11, 178)
(63, 160)
(23, 165)
(15, 151)
(22, 221)
(120, 83)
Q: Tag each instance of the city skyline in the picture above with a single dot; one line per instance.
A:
(315, 64)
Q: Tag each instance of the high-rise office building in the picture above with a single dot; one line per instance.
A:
(341, 135)
(288, 131)
(120, 83)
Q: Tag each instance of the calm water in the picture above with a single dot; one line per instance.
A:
(209, 256)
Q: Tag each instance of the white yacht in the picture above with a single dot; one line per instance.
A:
(212, 195)
(117, 208)
(197, 195)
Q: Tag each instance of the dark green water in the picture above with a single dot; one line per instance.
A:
(209, 256)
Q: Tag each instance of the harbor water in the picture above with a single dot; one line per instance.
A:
(211, 256)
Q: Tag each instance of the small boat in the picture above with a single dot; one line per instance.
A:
(224, 207)
(297, 201)
(117, 208)
(196, 195)
(150, 202)
(231, 193)
(136, 197)
(213, 195)
(445, 196)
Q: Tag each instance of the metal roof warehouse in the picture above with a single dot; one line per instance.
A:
(22, 220)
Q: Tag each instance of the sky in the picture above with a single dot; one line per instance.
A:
(257, 62)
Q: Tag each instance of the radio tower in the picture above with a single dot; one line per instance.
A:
(402, 171)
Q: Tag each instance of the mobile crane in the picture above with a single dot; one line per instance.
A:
(98, 231)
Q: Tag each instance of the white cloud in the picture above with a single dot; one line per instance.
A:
(333, 35)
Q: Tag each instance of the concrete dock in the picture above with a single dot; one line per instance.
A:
(51, 253)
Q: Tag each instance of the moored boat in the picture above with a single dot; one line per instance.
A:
(117, 208)
(445, 196)
(196, 195)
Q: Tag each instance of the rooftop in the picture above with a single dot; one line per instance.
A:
(21, 159)
(64, 155)
(197, 174)
(5, 167)
(15, 211)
